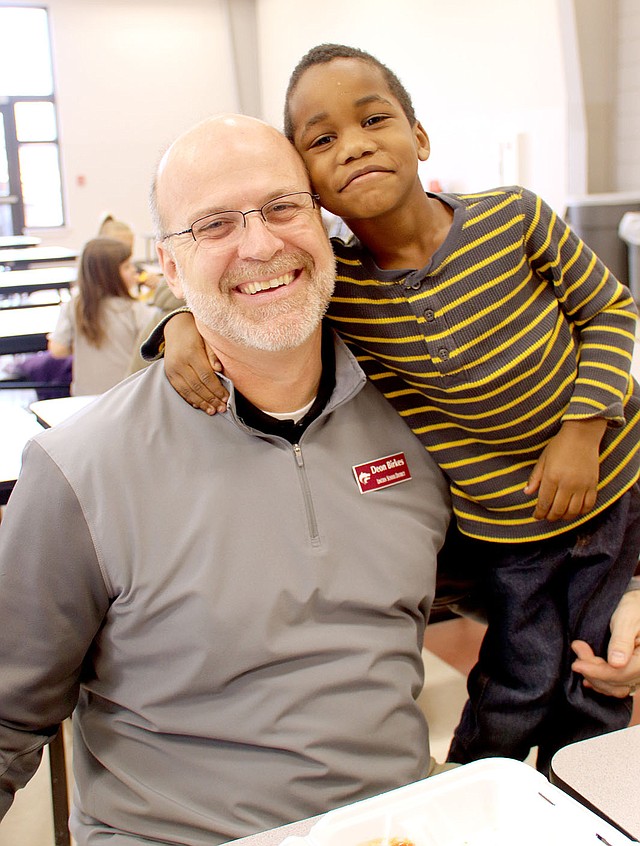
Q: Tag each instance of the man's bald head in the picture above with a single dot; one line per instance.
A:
(221, 142)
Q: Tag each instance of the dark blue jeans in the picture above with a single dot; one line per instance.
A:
(540, 596)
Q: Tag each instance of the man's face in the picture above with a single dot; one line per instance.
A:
(268, 288)
(359, 148)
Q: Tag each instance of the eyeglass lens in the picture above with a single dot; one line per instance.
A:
(277, 212)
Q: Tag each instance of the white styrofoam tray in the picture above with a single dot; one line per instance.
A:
(493, 802)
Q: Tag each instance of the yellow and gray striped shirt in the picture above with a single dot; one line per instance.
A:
(513, 327)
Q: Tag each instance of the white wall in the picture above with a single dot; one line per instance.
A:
(486, 77)
(131, 75)
(627, 149)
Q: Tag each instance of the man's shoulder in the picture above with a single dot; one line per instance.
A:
(110, 416)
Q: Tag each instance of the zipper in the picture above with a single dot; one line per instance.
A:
(312, 522)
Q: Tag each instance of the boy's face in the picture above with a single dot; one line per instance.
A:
(356, 141)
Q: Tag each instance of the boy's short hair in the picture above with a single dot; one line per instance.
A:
(324, 53)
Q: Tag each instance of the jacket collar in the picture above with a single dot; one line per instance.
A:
(341, 379)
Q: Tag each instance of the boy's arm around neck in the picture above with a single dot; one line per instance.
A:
(190, 365)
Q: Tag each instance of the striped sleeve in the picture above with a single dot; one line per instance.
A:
(600, 309)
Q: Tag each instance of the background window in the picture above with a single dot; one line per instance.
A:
(30, 182)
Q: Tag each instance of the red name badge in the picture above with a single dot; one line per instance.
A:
(381, 473)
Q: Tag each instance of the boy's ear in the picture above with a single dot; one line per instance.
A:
(169, 270)
(422, 141)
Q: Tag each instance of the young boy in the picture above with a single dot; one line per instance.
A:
(506, 345)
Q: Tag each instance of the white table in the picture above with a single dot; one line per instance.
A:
(275, 836)
(50, 412)
(24, 330)
(16, 427)
(18, 242)
(26, 256)
(37, 279)
(604, 774)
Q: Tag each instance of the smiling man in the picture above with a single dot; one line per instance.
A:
(232, 606)
(278, 308)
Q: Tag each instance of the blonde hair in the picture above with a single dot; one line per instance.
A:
(117, 230)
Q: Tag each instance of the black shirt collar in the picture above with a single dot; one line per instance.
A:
(288, 429)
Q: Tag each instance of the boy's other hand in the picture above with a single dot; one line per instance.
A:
(565, 476)
(191, 366)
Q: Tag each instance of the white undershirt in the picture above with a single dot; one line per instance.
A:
(290, 415)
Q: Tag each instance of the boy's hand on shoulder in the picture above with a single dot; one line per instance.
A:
(191, 366)
(565, 476)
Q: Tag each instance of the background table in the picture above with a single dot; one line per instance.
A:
(24, 330)
(49, 412)
(37, 279)
(604, 774)
(26, 256)
(275, 836)
(18, 241)
(16, 427)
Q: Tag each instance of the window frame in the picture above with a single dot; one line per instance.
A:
(13, 145)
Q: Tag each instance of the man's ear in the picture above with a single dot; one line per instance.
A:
(423, 146)
(169, 270)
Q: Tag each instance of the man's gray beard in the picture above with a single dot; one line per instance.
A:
(282, 325)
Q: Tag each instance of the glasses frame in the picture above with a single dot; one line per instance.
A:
(314, 199)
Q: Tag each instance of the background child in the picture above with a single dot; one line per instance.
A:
(150, 288)
(506, 345)
(111, 227)
(101, 323)
(146, 283)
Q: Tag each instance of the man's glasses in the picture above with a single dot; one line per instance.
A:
(225, 227)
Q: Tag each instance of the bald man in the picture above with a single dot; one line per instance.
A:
(232, 607)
